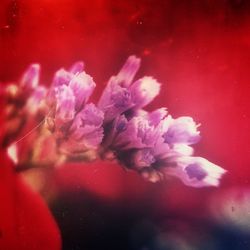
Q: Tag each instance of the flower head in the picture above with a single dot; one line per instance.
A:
(136, 133)
(196, 171)
(182, 130)
(152, 143)
(77, 80)
(121, 94)
(69, 92)
(114, 101)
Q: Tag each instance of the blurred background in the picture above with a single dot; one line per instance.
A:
(200, 52)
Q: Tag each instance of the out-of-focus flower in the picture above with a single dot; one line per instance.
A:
(36, 100)
(21, 211)
(231, 208)
(30, 78)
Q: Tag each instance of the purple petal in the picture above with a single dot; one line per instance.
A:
(82, 86)
(93, 139)
(61, 77)
(182, 130)
(194, 170)
(144, 91)
(126, 75)
(143, 158)
(65, 105)
(88, 141)
(86, 121)
(157, 116)
(114, 101)
(112, 130)
(138, 134)
(116, 97)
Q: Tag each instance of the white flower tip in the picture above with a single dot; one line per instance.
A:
(151, 85)
(183, 149)
(133, 59)
(145, 90)
(12, 153)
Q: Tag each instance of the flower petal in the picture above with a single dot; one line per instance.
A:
(196, 171)
(144, 91)
(82, 86)
(182, 130)
(126, 75)
(65, 105)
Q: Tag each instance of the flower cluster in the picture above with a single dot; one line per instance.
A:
(152, 143)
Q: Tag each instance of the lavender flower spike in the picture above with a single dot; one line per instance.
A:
(182, 130)
(151, 143)
(196, 171)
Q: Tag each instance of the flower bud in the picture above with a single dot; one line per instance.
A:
(144, 91)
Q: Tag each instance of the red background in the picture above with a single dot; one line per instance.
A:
(198, 50)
